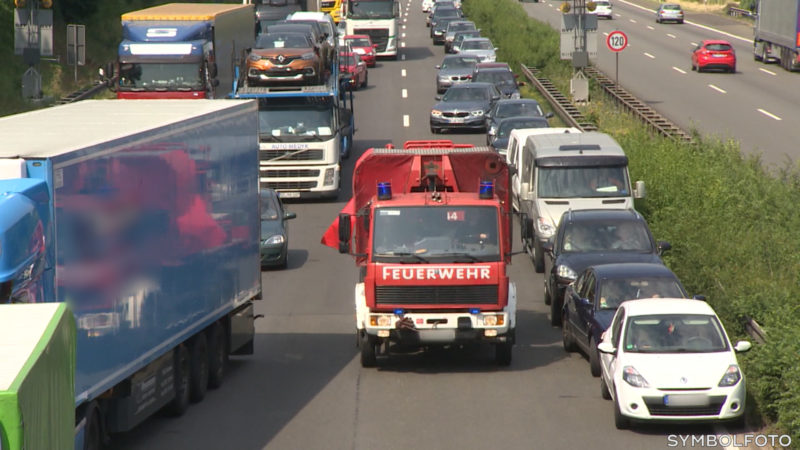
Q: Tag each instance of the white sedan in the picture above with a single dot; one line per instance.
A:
(671, 360)
(426, 5)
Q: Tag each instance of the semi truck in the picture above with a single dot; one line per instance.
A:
(182, 50)
(777, 33)
(143, 217)
(305, 133)
(379, 19)
(429, 226)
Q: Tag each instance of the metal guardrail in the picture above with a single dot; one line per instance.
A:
(83, 94)
(563, 107)
(739, 12)
(754, 330)
(648, 115)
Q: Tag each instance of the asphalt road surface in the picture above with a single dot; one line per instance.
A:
(755, 106)
(304, 387)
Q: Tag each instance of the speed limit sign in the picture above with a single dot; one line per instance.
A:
(617, 41)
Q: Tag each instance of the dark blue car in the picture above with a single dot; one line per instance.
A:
(274, 232)
(591, 301)
(594, 236)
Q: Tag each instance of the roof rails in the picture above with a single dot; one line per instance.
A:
(578, 147)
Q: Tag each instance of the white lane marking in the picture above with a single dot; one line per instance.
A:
(649, 55)
(650, 28)
(768, 114)
(403, 35)
(717, 89)
(741, 38)
(618, 15)
(693, 44)
(767, 71)
(632, 20)
(406, 120)
(403, 72)
(402, 57)
(403, 44)
(679, 70)
(605, 34)
(404, 27)
(404, 93)
(671, 35)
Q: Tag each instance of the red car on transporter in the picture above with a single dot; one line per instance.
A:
(362, 44)
(714, 54)
(350, 63)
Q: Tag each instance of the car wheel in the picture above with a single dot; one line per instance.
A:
(502, 354)
(434, 130)
(555, 312)
(594, 358)
(680, 21)
(620, 421)
(284, 262)
(368, 351)
(566, 337)
(733, 69)
(366, 80)
(538, 256)
(547, 298)
(604, 389)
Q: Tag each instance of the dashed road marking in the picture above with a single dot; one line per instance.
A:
(632, 20)
(671, 35)
(406, 121)
(403, 72)
(768, 114)
(679, 70)
(767, 71)
(404, 93)
(718, 89)
(649, 55)
(403, 35)
(605, 34)
(693, 44)
(402, 57)
(650, 28)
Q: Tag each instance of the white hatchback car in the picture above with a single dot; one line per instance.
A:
(426, 5)
(603, 9)
(671, 360)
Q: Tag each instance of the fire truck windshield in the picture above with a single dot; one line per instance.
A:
(437, 234)
(160, 76)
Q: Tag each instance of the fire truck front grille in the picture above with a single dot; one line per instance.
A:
(291, 155)
(424, 295)
(378, 36)
(289, 185)
(291, 173)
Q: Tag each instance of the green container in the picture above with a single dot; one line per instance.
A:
(37, 376)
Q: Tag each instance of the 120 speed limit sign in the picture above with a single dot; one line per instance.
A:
(617, 41)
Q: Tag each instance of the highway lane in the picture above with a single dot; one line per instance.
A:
(304, 387)
(753, 106)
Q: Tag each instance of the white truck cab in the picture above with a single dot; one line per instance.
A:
(566, 170)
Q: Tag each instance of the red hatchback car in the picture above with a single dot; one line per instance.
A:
(351, 64)
(714, 54)
(362, 44)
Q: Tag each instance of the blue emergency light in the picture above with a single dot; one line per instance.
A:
(384, 191)
(486, 190)
(474, 311)
(398, 312)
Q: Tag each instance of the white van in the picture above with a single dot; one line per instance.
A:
(567, 170)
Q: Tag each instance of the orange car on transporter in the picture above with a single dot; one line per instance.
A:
(284, 58)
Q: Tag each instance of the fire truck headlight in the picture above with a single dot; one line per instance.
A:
(380, 320)
(493, 320)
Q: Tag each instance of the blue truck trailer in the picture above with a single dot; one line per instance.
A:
(144, 218)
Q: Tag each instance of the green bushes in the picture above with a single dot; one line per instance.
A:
(733, 226)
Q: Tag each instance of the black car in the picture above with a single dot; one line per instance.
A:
(441, 13)
(503, 78)
(439, 28)
(499, 140)
(274, 231)
(463, 106)
(594, 236)
(508, 107)
(591, 301)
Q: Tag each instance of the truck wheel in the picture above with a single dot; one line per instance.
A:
(555, 312)
(217, 356)
(594, 358)
(502, 354)
(180, 374)
(93, 434)
(538, 256)
(368, 347)
(199, 368)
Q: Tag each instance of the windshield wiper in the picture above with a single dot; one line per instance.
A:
(268, 138)
(404, 254)
(314, 137)
(468, 256)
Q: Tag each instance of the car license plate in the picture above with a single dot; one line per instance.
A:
(678, 400)
(289, 194)
(719, 55)
(456, 120)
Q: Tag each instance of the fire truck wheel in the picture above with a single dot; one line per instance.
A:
(368, 347)
(502, 354)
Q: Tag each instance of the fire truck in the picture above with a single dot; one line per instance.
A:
(429, 226)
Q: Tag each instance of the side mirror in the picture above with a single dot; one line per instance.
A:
(584, 302)
(438, 98)
(742, 346)
(663, 246)
(525, 191)
(548, 115)
(212, 70)
(289, 215)
(521, 83)
(700, 297)
(438, 66)
(606, 347)
(639, 191)
(101, 72)
(344, 233)
(496, 49)
(346, 130)
(215, 82)
(547, 245)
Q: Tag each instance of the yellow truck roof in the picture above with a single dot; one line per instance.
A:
(183, 11)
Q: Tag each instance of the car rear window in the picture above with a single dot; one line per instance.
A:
(671, 7)
(718, 47)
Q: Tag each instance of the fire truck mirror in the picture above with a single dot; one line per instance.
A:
(344, 233)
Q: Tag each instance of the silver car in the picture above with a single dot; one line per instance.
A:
(669, 12)
(480, 47)
(454, 69)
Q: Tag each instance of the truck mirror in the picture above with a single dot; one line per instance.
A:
(344, 233)
(524, 191)
(214, 82)
(548, 115)
(212, 70)
(346, 130)
(639, 191)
